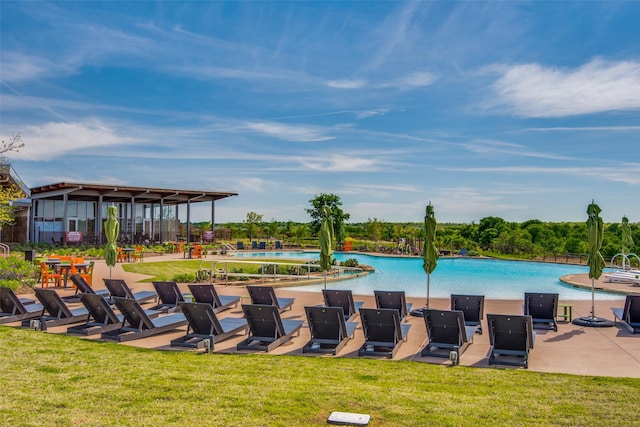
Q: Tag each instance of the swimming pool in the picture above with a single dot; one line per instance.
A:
(492, 278)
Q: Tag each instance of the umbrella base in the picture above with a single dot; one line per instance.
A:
(417, 312)
(593, 322)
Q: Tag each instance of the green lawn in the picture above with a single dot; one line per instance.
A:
(166, 270)
(59, 380)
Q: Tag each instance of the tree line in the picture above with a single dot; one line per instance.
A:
(491, 235)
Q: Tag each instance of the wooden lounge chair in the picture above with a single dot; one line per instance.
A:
(543, 309)
(137, 324)
(82, 287)
(447, 333)
(267, 330)
(511, 338)
(393, 299)
(119, 288)
(383, 332)
(55, 311)
(329, 330)
(207, 294)
(170, 297)
(344, 299)
(205, 325)
(101, 316)
(473, 308)
(266, 295)
(14, 309)
(629, 315)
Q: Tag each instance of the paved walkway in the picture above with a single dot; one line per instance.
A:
(572, 349)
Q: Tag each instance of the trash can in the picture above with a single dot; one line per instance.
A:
(30, 255)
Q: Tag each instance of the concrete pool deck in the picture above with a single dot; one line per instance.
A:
(572, 349)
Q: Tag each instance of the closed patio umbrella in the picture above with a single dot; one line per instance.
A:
(596, 263)
(111, 229)
(627, 240)
(430, 253)
(326, 241)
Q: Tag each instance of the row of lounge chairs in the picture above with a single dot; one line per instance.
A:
(331, 326)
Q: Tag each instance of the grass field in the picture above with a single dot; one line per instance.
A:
(59, 380)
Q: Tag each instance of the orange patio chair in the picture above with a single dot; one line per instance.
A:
(137, 254)
(48, 276)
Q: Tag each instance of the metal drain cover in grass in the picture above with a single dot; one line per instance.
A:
(348, 419)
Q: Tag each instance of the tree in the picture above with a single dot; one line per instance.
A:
(338, 215)
(374, 229)
(9, 193)
(299, 233)
(251, 223)
(274, 228)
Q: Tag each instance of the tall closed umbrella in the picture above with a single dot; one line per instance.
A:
(326, 242)
(430, 253)
(596, 263)
(111, 229)
(627, 240)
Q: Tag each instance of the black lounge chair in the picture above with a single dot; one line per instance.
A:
(393, 299)
(329, 330)
(473, 308)
(629, 315)
(383, 332)
(13, 308)
(447, 333)
(82, 287)
(137, 324)
(543, 309)
(169, 295)
(56, 312)
(119, 288)
(266, 295)
(205, 325)
(101, 316)
(267, 330)
(207, 294)
(344, 299)
(511, 338)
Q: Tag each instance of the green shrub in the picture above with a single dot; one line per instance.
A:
(184, 278)
(16, 272)
(351, 262)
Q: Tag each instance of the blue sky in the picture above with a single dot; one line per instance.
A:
(522, 110)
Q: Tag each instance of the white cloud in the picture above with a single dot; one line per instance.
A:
(288, 133)
(416, 79)
(339, 163)
(532, 90)
(371, 113)
(347, 84)
(53, 140)
(492, 147)
(628, 173)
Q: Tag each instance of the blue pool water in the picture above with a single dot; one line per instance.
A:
(492, 278)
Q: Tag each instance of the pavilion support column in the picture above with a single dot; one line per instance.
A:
(188, 221)
(65, 227)
(161, 220)
(133, 221)
(99, 225)
(213, 219)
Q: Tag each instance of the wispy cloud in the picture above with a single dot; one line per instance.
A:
(371, 113)
(53, 140)
(532, 90)
(288, 132)
(628, 173)
(583, 129)
(340, 163)
(347, 84)
(413, 80)
(492, 147)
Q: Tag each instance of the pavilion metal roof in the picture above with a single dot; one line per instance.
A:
(123, 193)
